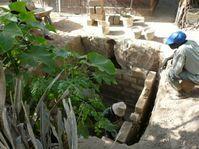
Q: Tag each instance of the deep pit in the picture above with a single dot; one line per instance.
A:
(137, 65)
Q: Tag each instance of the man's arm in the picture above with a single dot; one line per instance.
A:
(179, 62)
(164, 64)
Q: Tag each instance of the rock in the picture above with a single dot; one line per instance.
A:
(138, 53)
(75, 44)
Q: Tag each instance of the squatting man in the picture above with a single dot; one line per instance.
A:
(185, 64)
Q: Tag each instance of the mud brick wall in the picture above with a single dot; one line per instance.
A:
(130, 84)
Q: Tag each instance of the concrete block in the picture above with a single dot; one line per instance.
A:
(124, 132)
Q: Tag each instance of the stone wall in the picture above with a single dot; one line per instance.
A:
(138, 53)
(130, 84)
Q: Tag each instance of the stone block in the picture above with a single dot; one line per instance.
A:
(144, 99)
(100, 10)
(111, 20)
(192, 16)
(90, 22)
(135, 117)
(124, 132)
(96, 2)
(139, 72)
(92, 10)
(116, 20)
(97, 16)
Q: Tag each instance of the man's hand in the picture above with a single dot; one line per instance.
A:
(164, 64)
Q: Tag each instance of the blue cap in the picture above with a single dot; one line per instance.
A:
(176, 38)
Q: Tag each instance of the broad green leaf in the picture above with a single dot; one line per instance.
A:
(6, 17)
(37, 54)
(102, 63)
(6, 42)
(18, 7)
(13, 30)
(27, 17)
(39, 40)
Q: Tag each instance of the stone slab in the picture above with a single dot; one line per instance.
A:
(124, 132)
(144, 98)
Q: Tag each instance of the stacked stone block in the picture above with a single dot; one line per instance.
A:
(96, 12)
(129, 130)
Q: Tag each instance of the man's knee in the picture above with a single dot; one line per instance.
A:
(187, 86)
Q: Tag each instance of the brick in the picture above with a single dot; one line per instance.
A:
(140, 82)
(133, 80)
(118, 76)
(137, 87)
(124, 83)
(126, 77)
(124, 132)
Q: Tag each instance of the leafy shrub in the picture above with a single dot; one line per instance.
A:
(28, 57)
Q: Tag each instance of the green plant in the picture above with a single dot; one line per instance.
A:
(28, 57)
(19, 47)
(82, 78)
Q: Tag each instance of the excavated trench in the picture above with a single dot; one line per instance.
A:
(136, 77)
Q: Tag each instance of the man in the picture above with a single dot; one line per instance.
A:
(185, 65)
(115, 114)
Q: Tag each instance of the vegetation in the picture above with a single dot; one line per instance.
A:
(47, 87)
